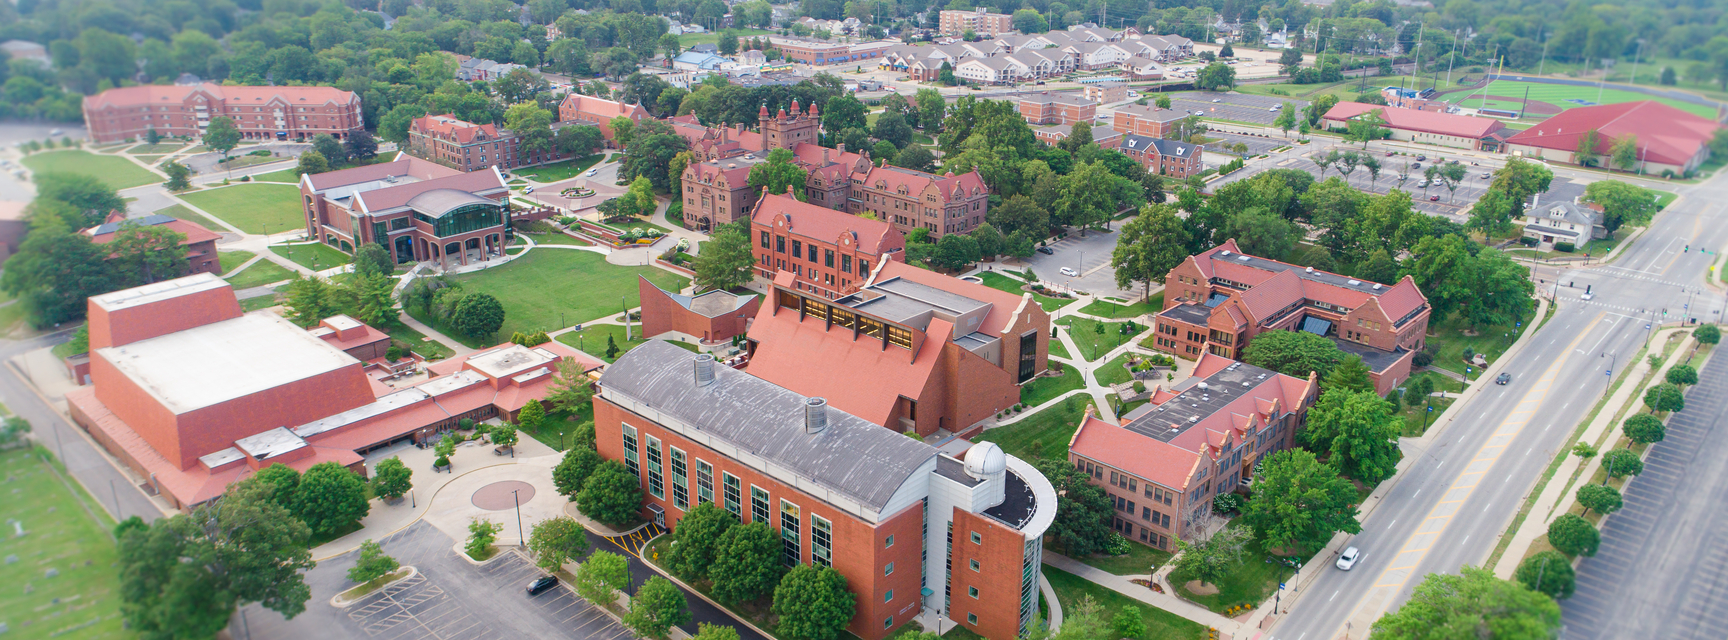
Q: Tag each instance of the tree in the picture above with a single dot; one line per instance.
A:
(652, 146)
(1664, 397)
(602, 577)
(931, 109)
(1624, 152)
(391, 479)
(92, 198)
(1021, 215)
(672, 47)
(311, 163)
(1029, 21)
(1289, 61)
(1162, 102)
(780, 175)
(611, 348)
(726, 262)
(1213, 559)
(573, 471)
(1471, 604)
(478, 314)
(145, 254)
(328, 146)
(1227, 51)
(360, 145)
(373, 564)
(222, 136)
(1667, 77)
(373, 259)
(178, 176)
(917, 158)
(1129, 623)
(1217, 76)
(945, 75)
(954, 251)
(1682, 375)
(1549, 572)
(813, 603)
(697, 539)
(1262, 233)
(1573, 535)
(1088, 195)
(843, 112)
(705, 631)
(532, 126)
(504, 435)
(1644, 429)
(892, 126)
(1622, 203)
(571, 388)
(1293, 353)
(481, 534)
(1351, 374)
(245, 548)
(330, 498)
(611, 495)
(623, 130)
(1601, 498)
(1366, 127)
(1707, 334)
(1360, 430)
(657, 607)
(1083, 511)
(1084, 622)
(746, 563)
(1620, 463)
(1286, 119)
(56, 270)
(1299, 502)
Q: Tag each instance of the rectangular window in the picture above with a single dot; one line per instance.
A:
(797, 248)
(977, 539)
(656, 479)
(888, 597)
(863, 267)
(631, 452)
(889, 542)
(828, 258)
(821, 541)
(972, 591)
(759, 506)
(899, 337)
(841, 317)
(734, 501)
(812, 254)
(704, 481)
(888, 570)
(846, 264)
(972, 618)
(974, 565)
(780, 244)
(765, 236)
(680, 480)
(790, 534)
(815, 309)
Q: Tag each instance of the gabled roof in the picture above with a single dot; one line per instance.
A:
(1002, 303)
(892, 177)
(194, 232)
(1666, 135)
(822, 223)
(602, 107)
(403, 166)
(233, 96)
(450, 127)
(1434, 122)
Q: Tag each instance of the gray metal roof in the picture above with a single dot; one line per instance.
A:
(1189, 313)
(1316, 275)
(438, 202)
(863, 461)
(1195, 403)
(901, 300)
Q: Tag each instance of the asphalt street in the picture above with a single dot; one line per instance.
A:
(1662, 570)
(1461, 493)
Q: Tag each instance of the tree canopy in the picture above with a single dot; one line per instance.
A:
(1293, 353)
(1471, 604)
(1299, 502)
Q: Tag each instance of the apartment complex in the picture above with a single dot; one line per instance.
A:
(1018, 58)
(979, 21)
(1217, 301)
(1166, 461)
(829, 253)
(419, 210)
(260, 113)
(910, 527)
(913, 199)
(465, 146)
(1105, 92)
(822, 52)
(911, 349)
(599, 112)
(1163, 157)
(1145, 120)
(1057, 108)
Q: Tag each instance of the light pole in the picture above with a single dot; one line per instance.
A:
(116, 494)
(523, 540)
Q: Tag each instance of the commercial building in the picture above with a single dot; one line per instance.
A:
(260, 113)
(419, 210)
(911, 528)
(713, 316)
(1217, 301)
(192, 394)
(914, 350)
(1166, 461)
(829, 253)
(465, 146)
(1057, 108)
(599, 112)
(1426, 127)
(1145, 120)
(200, 243)
(1163, 157)
(979, 21)
(1105, 92)
(1668, 139)
(913, 199)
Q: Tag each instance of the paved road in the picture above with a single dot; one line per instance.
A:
(1435, 519)
(1662, 571)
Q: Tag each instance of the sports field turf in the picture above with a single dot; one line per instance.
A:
(1563, 96)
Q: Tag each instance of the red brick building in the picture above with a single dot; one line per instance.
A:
(599, 112)
(913, 199)
(190, 392)
(419, 210)
(717, 191)
(911, 528)
(912, 349)
(465, 146)
(829, 253)
(261, 113)
(200, 243)
(1142, 120)
(1057, 108)
(1164, 157)
(712, 316)
(1167, 460)
(1217, 301)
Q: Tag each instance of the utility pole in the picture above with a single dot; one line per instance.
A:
(1544, 60)
(1453, 60)
(1635, 59)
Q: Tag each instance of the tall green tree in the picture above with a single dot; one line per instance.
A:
(372, 564)
(1213, 559)
(1622, 203)
(1549, 572)
(328, 146)
(746, 563)
(56, 270)
(222, 136)
(1148, 246)
(570, 389)
(1585, 154)
(391, 479)
(602, 577)
(1664, 397)
(1470, 604)
(780, 175)
(1360, 430)
(1293, 353)
(1644, 429)
(813, 603)
(1084, 511)
(697, 539)
(311, 163)
(1600, 498)
(843, 112)
(532, 126)
(478, 315)
(572, 472)
(1573, 535)
(892, 127)
(1351, 374)
(657, 606)
(612, 494)
(330, 498)
(1299, 502)
(143, 254)
(726, 262)
(1624, 152)
(90, 196)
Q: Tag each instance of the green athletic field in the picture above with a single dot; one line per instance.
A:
(1558, 95)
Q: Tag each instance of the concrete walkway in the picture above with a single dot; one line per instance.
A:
(1165, 601)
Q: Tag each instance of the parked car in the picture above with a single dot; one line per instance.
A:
(1217, 99)
(1199, 112)
(1487, 176)
(1047, 251)
(1434, 198)
(541, 584)
(1069, 272)
(1504, 379)
(1421, 157)
(1415, 165)
(1274, 108)
(1348, 559)
(591, 172)
(528, 189)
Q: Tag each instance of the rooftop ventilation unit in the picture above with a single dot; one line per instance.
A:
(1242, 258)
(1225, 253)
(815, 415)
(1310, 269)
(1377, 286)
(1353, 282)
(1202, 386)
(704, 369)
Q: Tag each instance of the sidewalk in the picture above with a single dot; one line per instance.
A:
(1163, 601)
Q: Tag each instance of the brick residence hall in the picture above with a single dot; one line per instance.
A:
(193, 394)
(1217, 301)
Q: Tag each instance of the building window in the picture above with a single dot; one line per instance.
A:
(888, 622)
(972, 591)
(846, 264)
(888, 597)
(790, 533)
(797, 248)
(974, 565)
(680, 486)
(889, 542)
(704, 481)
(656, 481)
(828, 258)
(899, 337)
(630, 452)
(780, 244)
(971, 618)
(888, 570)
(977, 539)
(733, 496)
(863, 267)
(765, 235)
(821, 541)
(759, 505)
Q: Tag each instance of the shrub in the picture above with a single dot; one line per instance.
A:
(1528, 241)
(1707, 334)
(1620, 463)
(1644, 428)
(1117, 545)
(1563, 247)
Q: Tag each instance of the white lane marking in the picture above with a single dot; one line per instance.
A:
(1466, 539)
(1334, 596)
(1418, 492)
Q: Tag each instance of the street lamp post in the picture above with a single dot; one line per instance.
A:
(523, 540)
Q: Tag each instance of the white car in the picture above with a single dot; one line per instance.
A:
(1069, 272)
(591, 172)
(1587, 297)
(1348, 559)
(528, 189)
(1217, 99)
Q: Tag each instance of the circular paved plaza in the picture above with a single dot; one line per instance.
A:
(498, 496)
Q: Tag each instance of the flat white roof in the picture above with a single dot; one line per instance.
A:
(341, 322)
(157, 292)
(510, 360)
(218, 362)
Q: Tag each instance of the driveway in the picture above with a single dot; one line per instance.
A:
(208, 162)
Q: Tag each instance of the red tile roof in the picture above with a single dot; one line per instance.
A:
(479, 182)
(141, 95)
(1445, 124)
(1272, 294)
(403, 165)
(822, 223)
(194, 232)
(448, 126)
(1160, 462)
(1401, 299)
(600, 107)
(864, 380)
(892, 178)
(1666, 135)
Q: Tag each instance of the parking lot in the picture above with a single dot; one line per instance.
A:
(1088, 256)
(1220, 154)
(1239, 107)
(1396, 172)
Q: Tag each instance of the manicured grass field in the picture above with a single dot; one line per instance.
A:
(1104, 309)
(65, 531)
(1058, 350)
(311, 255)
(160, 148)
(1140, 560)
(693, 39)
(285, 175)
(552, 289)
(231, 259)
(592, 340)
(1114, 371)
(261, 273)
(1559, 96)
(1012, 285)
(558, 238)
(1092, 343)
(180, 212)
(559, 170)
(1159, 623)
(254, 208)
(1041, 390)
(1448, 339)
(258, 302)
(1045, 433)
(115, 171)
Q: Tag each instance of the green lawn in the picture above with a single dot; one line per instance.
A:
(1058, 349)
(1560, 95)
(232, 259)
(258, 302)
(160, 148)
(418, 342)
(1417, 419)
(180, 212)
(693, 39)
(592, 340)
(1045, 433)
(1448, 341)
(998, 281)
(1093, 344)
(312, 255)
(1041, 390)
(253, 208)
(559, 170)
(115, 171)
(1104, 309)
(1160, 624)
(66, 531)
(1250, 582)
(552, 289)
(641, 223)
(558, 238)
(1113, 372)
(261, 273)
(1140, 560)
(285, 175)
